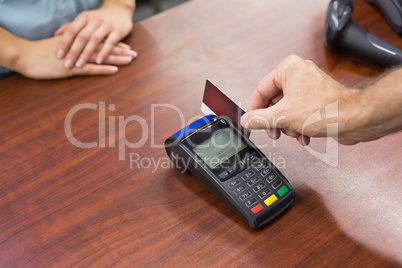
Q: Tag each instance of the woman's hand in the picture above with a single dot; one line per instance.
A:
(37, 60)
(108, 25)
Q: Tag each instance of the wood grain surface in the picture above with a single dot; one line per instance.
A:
(62, 205)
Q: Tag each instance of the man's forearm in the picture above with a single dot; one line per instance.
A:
(379, 111)
(386, 97)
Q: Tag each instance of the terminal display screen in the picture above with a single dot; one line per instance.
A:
(220, 147)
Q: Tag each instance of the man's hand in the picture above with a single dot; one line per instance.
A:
(37, 60)
(80, 38)
(296, 91)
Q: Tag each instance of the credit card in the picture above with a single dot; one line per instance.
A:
(218, 103)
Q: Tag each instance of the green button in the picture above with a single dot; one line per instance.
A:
(283, 190)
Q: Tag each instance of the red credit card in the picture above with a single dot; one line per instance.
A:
(216, 102)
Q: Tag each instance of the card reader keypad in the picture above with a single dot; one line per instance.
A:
(259, 186)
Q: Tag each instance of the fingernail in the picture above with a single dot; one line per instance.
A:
(243, 121)
(127, 59)
(300, 140)
(124, 45)
(80, 63)
(113, 69)
(99, 60)
(132, 53)
(68, 64)
(60, 53)
(274, 133)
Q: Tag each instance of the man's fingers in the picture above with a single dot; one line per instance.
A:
(262, 119)
(265, 91)
(68, 36)
(346, 141)
(291, 133)
(273, 133)
(276, 99)
(303, 140)
(272, 85)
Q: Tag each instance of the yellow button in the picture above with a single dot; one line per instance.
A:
(270, 200)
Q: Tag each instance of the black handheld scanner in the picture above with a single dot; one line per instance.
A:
(340, 32)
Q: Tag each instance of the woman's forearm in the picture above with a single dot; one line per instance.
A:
(11, 50)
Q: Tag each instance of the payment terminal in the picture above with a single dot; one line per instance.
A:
(218, 154)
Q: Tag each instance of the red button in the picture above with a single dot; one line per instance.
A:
(258, 208)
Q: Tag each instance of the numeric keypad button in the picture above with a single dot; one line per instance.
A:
(253, 181)
(248, 175)
(259, 187)
(251, 202)
(271, 177)
(245, 196)
(239, 189)
(233, 183)
(265, 172)
(264, 193)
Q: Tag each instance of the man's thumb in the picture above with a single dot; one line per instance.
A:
(260, 119)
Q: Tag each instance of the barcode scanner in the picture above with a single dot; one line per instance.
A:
(392, 10)
(341, 33)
